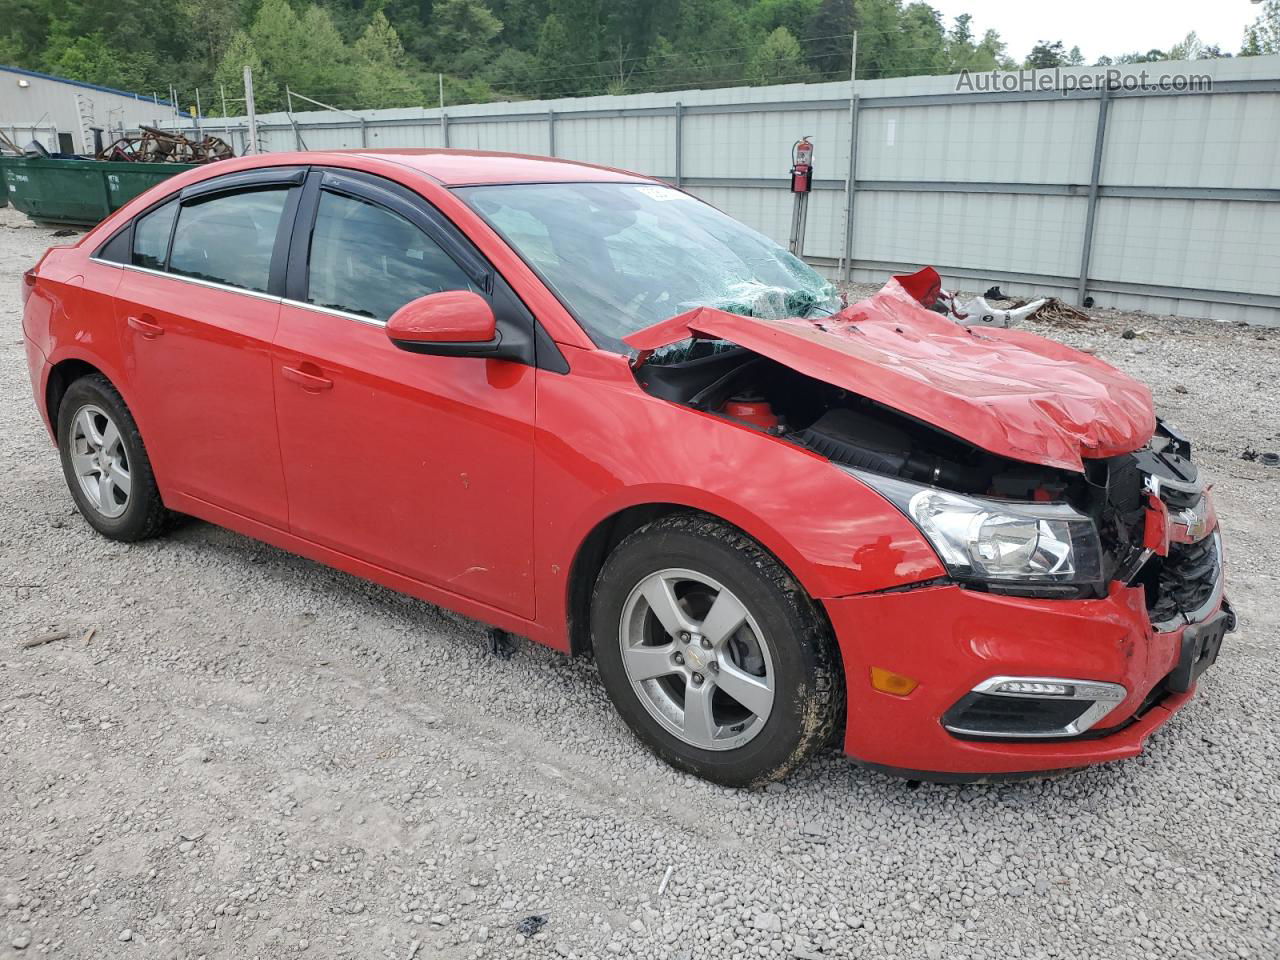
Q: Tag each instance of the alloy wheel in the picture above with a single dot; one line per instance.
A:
(100, 461)
(697, 659)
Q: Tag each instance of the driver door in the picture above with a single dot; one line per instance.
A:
(419, 464)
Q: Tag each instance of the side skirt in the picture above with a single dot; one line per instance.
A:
(492, 616)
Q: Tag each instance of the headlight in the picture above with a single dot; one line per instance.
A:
(998, 540)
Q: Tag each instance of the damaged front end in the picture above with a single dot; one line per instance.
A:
(1032, 469)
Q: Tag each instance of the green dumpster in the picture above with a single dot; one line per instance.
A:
(78, 191)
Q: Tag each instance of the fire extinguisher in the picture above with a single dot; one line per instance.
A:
(801, 166)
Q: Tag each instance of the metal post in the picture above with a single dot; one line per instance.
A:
(364, 132)
(444, 117)
(226, 126)
(850, 184)
(551, 133)
(1099, 142)
(250, 112)
(679, 114)
(298, 143)
(199, 129)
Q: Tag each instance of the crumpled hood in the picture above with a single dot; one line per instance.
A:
(1009, 392)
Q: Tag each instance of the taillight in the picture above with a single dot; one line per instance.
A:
(28, 284)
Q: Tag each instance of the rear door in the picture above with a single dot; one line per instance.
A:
(197, 311)
(419, 464)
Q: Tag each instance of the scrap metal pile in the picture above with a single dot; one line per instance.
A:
(162, 146)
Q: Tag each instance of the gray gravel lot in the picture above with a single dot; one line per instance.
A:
(256, 756)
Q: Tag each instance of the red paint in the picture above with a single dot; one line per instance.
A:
(1007, 391)
(453, 316)
(473, 483)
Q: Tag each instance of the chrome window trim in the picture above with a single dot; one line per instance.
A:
(270, 298)
(211, 284)
(371, 321)
(1105, 697)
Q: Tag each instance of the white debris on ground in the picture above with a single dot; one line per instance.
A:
(254, 756)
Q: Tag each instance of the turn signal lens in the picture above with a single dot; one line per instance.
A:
(890, 682)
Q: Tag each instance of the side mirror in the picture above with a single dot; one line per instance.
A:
(453, 323)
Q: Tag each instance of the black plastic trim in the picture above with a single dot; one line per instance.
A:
(245, 180)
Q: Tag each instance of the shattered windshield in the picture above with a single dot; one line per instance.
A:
(624, 256)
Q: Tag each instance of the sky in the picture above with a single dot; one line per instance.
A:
(1108, 27)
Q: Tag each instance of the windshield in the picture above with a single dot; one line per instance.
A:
(623, 256)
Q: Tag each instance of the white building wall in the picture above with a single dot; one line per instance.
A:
(988, 188)
(37, 106)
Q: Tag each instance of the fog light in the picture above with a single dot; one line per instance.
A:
(1035, 688)
(890, 682)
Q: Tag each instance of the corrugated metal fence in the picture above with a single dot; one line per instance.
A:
(1149, 193)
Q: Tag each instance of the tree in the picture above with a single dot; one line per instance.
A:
(1045, 55)
(92, 59)
(458, 26)
(1075, 58)
(768, 15)
(229, 76)
(554, 58)
(1188, 48)
(1263, 36)
(212, 24)
(778, 60)
(830, 29)
(382, 79)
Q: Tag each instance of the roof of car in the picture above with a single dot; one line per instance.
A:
(462, 167)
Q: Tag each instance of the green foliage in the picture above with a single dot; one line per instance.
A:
(1263, 36)
(381, 53)
(1045, 55)
(831, 27)
(778, 60)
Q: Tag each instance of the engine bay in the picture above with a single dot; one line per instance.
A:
(737, 384)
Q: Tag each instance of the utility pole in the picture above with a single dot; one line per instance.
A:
(199, 129)
(444, 119)
(250, 112)
(846, 256)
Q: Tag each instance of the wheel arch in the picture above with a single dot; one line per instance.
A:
(61, 375)
(611, 530)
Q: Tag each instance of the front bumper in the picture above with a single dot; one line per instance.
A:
(953, 639)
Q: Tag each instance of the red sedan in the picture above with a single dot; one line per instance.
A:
(582, 406)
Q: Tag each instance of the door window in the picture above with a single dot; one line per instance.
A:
(369, 261)
(229, 238)
(151, 237)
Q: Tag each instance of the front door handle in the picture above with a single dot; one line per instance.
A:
(146, 326)
(306, 379)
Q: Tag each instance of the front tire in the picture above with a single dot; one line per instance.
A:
(105, 463)
(713, 654)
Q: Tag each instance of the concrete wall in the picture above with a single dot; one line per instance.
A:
(1183, 215)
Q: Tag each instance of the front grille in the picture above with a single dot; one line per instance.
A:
(1178, 585)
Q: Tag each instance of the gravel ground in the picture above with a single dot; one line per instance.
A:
(256, 756)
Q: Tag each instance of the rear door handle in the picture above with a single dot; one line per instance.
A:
(146, 326)
(306, 379)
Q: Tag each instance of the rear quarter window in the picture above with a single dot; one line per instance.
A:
(151, 237)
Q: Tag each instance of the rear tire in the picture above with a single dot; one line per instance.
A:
(105, 463)
(713, 654)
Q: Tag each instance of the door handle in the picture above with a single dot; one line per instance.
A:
(306, 380)
(146, 326)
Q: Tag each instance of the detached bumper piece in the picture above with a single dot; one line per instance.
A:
(1200, 645)
(1015, 708)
